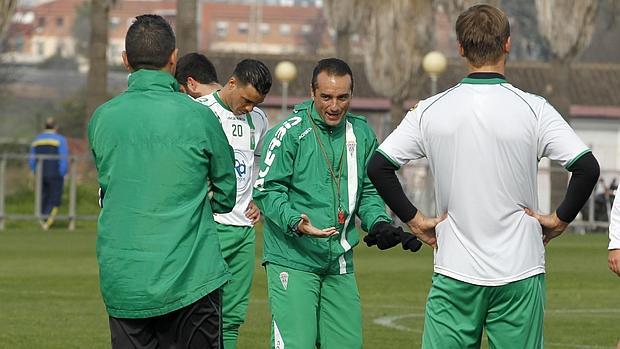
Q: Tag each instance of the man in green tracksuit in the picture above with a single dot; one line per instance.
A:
(311, 185)
(165, 167)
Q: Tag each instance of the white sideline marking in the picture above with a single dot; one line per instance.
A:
(41, 292)
(390, 322)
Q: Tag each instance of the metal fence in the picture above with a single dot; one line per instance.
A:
(416, 179)
(19, 162)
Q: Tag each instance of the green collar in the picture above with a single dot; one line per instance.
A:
(484, 78)
(220, 101)
(158, 80)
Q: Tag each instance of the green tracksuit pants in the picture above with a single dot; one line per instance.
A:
(238, 249)
(511, 314)
(311, 310)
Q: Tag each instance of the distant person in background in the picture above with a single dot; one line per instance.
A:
(614, 239)
(245, 126)
(53, 169)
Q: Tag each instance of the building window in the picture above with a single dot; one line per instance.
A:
(41, 22)
(264, 28)
(40, 48)
(306, 28)
(287, 2)
(243, 28)
(114, 22)
(285, 29)
(221, 28)
(59, 22)
(19, 43)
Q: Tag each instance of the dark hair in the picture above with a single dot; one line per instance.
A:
(482, 31)
(149, 42)
(50, 123)
(197, 66)
(255, 73)
(332, 66)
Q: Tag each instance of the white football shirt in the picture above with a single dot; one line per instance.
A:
(245, 134)
(483, 139)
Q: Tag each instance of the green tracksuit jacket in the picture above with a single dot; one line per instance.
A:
(156, 150)
(294, 179)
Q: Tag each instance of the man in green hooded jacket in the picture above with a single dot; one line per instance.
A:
(165, 167)
(311, 185)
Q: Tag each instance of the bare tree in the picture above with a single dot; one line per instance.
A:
(396, 36)
(187, 26)
(313, 39)
(345, 17)
(454, 8)
(97, 80)
(567, 26)
(7, 8)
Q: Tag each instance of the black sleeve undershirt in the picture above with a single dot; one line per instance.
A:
(585, 175)
(382, 174)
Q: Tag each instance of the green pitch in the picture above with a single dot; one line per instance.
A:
(49, 295)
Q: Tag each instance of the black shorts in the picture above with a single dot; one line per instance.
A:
(198, 325)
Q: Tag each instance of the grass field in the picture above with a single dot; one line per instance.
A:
(49, 295)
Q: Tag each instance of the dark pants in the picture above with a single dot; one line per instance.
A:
(198, 325)
(51, 193)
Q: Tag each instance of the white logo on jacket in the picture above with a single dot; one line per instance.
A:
(284, 279)
(275, 142)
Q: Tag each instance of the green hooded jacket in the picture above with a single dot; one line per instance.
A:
(294, 179)
(159, 155)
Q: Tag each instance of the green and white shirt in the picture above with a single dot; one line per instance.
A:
(245, 134)
(483, 139)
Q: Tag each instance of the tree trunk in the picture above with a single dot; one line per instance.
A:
(560, 99)
(7, 8)
(342, 45)
(186, 26)
(97, 81)
(396, 112)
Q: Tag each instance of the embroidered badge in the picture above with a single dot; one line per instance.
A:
(284, 279)
(351, 147)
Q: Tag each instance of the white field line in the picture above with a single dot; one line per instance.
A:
(391, 322)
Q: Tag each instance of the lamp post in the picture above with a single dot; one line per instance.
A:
(434, 63)
(285, 73)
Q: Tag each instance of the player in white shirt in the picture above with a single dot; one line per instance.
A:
(483, 139)
(245, 126)
(614, 239)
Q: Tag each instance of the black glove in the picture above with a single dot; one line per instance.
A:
(410, 242)
(384, 235)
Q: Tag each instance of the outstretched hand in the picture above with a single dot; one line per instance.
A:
(424, 228)
(306, 227)
(552, 226)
